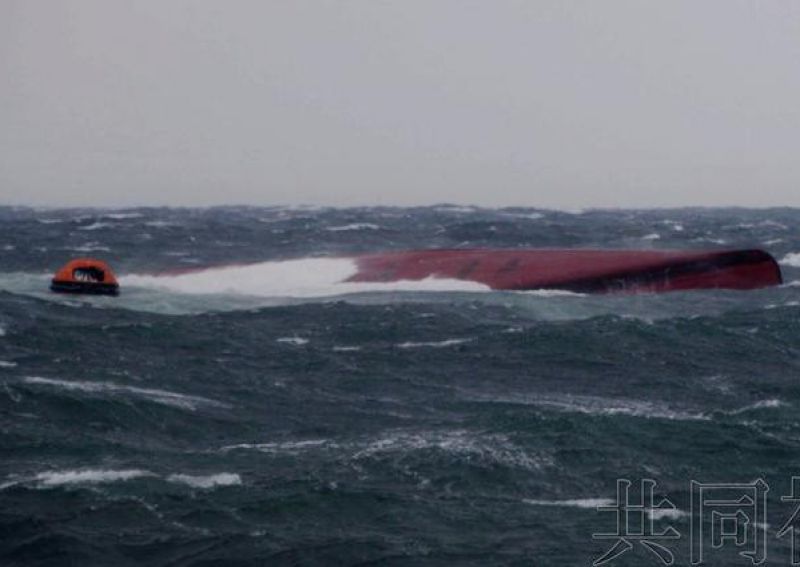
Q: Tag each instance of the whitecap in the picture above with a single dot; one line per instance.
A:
(493, 448)
(474, 446)
(89, 476)
(763, 224)
(346, 348)
(651, 236)
(793, 303)
(550, 293)
(668, 512)
(210, 481)
(769, 223)
(792, 259)
(456, 208)
(772, 403)
(300, 278)
(9, 484)
(674, 225)
(306, 277)
(95, 226)
(160, 224)
(164, 397)
(599, 406)
(434, 344)
(7, 364)
(281, 447)
(353, 226)
(122, 216)
(719, 241)
(2, 331)
(297, 341)
(529, 216)
(91, 247)
(592, 503)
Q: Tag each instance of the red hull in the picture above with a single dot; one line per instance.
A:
(586, 271)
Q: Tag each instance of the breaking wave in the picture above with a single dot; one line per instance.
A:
(473, 446)
(174, 399)
(59, 478)
(599, 406)
(666, 513)
(792, 259)
(88, 476)
(296, 341)
(310, 277)
(434, 344)
(589, 503)
(354, 226)
(210, 481)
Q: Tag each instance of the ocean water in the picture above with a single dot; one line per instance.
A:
(265, 414)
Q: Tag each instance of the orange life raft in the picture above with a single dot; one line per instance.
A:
(85, 275)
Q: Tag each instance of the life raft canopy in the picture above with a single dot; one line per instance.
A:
(86, 276)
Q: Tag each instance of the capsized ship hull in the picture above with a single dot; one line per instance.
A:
(578, 270)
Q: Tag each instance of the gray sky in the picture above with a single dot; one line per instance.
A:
(542, 103)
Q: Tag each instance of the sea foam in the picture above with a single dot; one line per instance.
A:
(89, 476)
(792, 259)
(297, 341)
(600, 406)
(183, 401)
(354, 226)
(594, 503)
(433, 344)
(51, 479)
(210, 481)
(573, 503)
(309, 277)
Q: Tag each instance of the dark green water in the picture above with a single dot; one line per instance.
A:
(271, 416)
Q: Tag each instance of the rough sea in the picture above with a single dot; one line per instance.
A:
(263, 414)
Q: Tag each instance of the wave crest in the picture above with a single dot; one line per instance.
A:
(302, 278)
